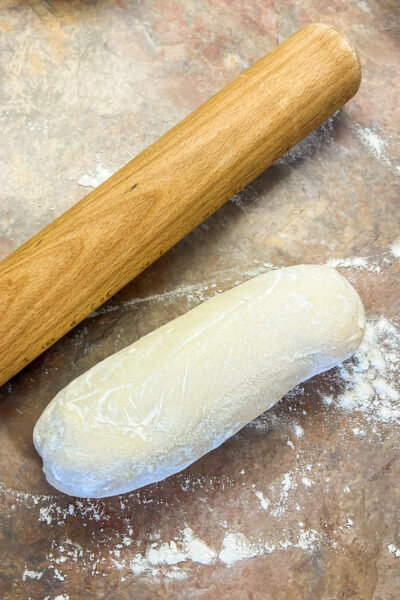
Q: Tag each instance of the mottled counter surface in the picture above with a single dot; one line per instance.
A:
(304, 503)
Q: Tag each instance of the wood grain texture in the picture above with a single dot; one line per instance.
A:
(72, 266)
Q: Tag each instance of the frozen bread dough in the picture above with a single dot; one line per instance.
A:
(156, 406)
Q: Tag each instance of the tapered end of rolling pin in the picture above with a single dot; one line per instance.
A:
(346, 48)
(75, 264)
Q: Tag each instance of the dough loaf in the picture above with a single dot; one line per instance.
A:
(156, 406)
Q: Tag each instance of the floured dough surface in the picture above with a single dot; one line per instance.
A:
(156, 406)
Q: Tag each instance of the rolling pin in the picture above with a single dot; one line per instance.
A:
(76, 263)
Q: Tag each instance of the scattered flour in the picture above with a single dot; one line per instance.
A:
(371, 376)
(372, 138)
(395, 248)
(162, 559)
(93, 179)
(45, 514)
(193, 293)
(370, 387)
(307, 539)
(393, 550)
(263, 501)
(201, 291)
(364, 6)
(307, 482)
(354, 262)
(28, 574)
(235, 547)
(52, 512)
(196, 549)
(288, 484)
(57, 574)
(359, 432)
(299, 431)
(189, 547)
(38, 125)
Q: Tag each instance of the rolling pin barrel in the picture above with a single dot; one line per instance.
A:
(72, 266)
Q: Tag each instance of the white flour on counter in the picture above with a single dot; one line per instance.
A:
(354, 262)
(236, 546)
(372, 139)
(264, 502)
(29, 574)
(94, 178)
(369, 387)
(395, 248)
(371, 376)
(169, 559)
(189, 547)
(203, 290)
(376, 140)
(393, 550)
(369, 384)
(160, 559)
(194, 293)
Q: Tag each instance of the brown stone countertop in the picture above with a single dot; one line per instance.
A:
(303, 503)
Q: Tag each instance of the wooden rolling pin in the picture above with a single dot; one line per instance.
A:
(85, 256)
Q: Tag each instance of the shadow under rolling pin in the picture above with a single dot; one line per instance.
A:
(76, 263)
